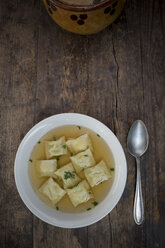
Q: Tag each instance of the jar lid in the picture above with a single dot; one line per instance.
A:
(82, 3)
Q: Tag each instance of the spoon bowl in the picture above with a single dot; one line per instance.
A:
(138, 139)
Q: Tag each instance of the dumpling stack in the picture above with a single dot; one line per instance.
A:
(68, 178)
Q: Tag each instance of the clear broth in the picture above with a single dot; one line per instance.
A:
(101, 152)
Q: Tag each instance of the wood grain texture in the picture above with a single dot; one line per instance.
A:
(116, 76)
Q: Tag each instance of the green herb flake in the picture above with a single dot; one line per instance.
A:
(58, 158)
(30, 160)
(98, 135)
(71, 154)
(83, 169)
(79, 127)
(39, 142)
(112, 169)
(95, 203)
(54, 138)
(88, 209)
(89, 191)
(69, 174)
(58, 167)
(71, 187)
(85, 155)
(64, 146)
(57, 208)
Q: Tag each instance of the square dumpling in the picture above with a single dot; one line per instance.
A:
(83, 160)
(79, 144)
(68, 175)
(46, 168)
(97, 174)
(80, 193)
(52, 190)
(55, 148)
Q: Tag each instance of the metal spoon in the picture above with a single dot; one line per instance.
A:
(137, 144)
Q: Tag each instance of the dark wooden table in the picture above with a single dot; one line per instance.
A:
(116, 76)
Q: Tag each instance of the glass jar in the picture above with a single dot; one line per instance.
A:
(84, 16)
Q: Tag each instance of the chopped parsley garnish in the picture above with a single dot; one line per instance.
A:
(98, 135)
(112, 169)
(30, 160)
(71, 187)
(71, 154)
(58, 167)
(58, 158)
(85, 155)
(89, 191)
(88, 209)
(54, 138)
(69, 174)
(39, 142)
(95, 203)
(64, 146)
(79, 127)
(57, 208)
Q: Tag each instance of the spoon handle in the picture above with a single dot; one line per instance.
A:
(138, 211)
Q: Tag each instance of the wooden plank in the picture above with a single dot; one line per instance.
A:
(129, 106)
(154, 100)
(17, 101)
